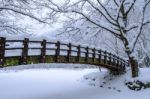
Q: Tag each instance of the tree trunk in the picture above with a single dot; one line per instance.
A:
(132, 61)
(134, 67)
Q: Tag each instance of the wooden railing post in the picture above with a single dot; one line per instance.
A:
(100, 56)
(128, 63)
(24, 51)
(78, 53)
(57, 52)
(69, 52)
(93, 58)
(118, 61)
(87, 54)
(114, 60)
(2, 51)
(121, 62)
(110, 62)
(43, 52)
(105, 57)
(124, 65)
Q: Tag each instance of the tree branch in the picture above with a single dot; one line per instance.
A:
(22, 13)
(96, 8)
(96, 23)
(127, 12)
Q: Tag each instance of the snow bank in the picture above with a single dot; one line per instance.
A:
(47, 66)
(64, 84)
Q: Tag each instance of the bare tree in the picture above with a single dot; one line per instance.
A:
(125, 19)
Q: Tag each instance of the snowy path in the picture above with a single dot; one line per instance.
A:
(57, 84)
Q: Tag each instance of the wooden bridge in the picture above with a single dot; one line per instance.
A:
(56, 52)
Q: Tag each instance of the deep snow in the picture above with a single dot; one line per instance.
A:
(58, 83)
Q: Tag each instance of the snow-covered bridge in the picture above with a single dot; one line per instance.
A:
(18, 52)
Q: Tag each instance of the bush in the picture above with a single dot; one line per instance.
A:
(137, 85)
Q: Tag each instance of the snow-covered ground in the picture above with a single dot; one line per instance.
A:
(59, 83)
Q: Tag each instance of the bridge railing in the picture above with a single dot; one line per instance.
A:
(26, 48)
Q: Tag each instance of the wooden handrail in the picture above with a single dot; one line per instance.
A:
(98, 56)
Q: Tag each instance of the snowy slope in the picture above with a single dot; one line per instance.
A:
(60, 83)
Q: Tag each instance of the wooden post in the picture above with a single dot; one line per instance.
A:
(2, 51)
(93, 58)
(124, 66)
(114, 60)
(110, 62)
(43, 52)
(100, 56)
(121, 66)
(105, 57)
(118, 62)
(87, 54)
(78, 53)
(124, 63)
(57, 52)
(128, 63)
(69, 52)
(24, 52)
(121, 62)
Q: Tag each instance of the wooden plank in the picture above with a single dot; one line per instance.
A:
(35, 41)
(13, 41)
(64, 44)
(51, 42)
(51, 48)
(16, 48)
(35, 48)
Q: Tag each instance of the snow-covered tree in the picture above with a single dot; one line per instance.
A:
(13, 11)
(124, 19)
(143, 49)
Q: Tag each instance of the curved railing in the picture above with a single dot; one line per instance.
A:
(18, 52)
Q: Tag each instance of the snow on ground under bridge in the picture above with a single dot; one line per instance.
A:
(22, 82)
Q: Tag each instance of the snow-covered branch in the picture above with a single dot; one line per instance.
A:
(22, 13)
